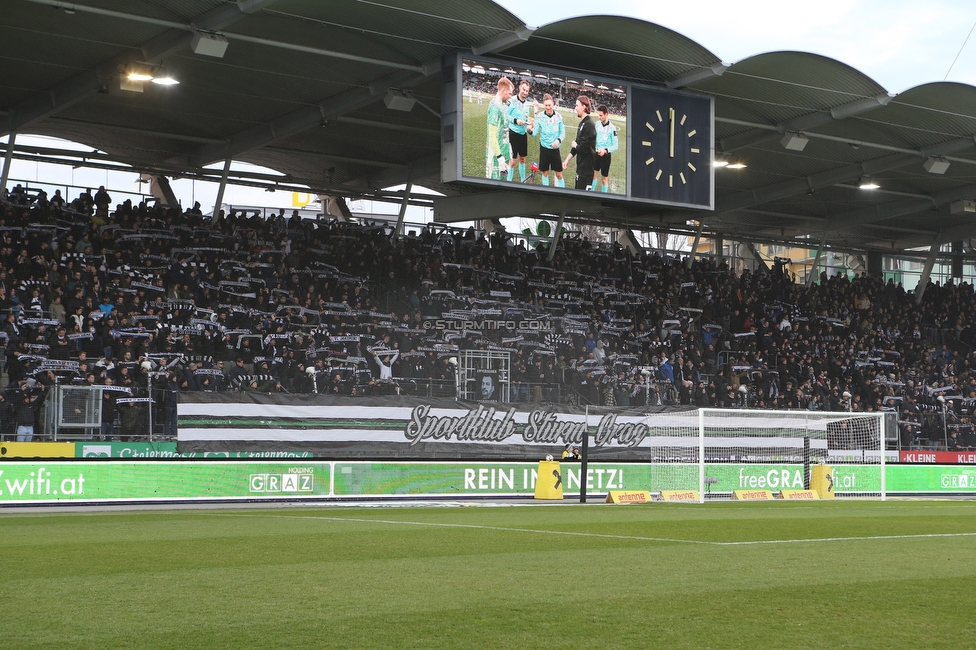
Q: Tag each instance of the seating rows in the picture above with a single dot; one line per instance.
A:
(142, 295)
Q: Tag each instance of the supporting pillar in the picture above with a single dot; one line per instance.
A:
(7, 160)
(875, 264)
(927, 270)
(555, 236)
(629, 240)
(957, 260)
(752, 249)
(694, 247)
(816, 263)
(719, 250)
(160, 188)
(398, 232)
(221, 188)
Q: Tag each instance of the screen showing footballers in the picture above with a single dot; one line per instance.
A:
(528, 127)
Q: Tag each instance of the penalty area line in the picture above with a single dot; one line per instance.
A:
(639, 538)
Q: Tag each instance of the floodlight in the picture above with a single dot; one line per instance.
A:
(163, 78)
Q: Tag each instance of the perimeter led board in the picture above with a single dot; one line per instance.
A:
(526, 128)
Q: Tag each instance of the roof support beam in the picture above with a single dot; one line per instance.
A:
(899, 209)
(197, 25)
(813, 135)
(893, 210)
(305, 118)
(695, 76)
(130, 129)
(953, 233)
(355, 160)
(377, 124)
(423, 168)
(847, 173)
(785, 189)
(334, 107)
(89, 82)
(802, 123)
(503, 41)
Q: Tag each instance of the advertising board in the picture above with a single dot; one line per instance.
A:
(99, 481)
(78, 481)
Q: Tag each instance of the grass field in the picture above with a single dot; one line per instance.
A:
(475, 120)
(826, 575)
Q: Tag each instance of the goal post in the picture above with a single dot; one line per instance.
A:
(719, 451)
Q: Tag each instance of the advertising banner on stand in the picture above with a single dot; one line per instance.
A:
(169, 450)
(938, 457)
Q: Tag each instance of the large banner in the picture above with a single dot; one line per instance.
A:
(411, 428)
(77, 481)
(405, 427)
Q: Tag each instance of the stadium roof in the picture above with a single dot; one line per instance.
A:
(301, 85)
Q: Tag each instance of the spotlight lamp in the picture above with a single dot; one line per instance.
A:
(735, 163)
(867, 183)
(162, 78)
(134, 75)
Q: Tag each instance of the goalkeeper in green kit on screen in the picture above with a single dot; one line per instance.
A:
(498, 149)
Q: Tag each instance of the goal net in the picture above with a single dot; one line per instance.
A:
(719, 451)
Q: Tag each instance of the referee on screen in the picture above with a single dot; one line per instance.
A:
(548, 125)
(584, 146)
(518, 123)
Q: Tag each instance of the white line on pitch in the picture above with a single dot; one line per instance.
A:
(842, 539)
(607, 536)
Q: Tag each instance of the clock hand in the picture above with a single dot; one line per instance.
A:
(671, 115)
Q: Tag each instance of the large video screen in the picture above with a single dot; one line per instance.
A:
(562, 132)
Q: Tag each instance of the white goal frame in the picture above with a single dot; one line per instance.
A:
(865, 450)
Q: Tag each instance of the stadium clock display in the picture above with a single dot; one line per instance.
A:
(671, 149)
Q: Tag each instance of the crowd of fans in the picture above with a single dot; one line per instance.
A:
(141, 298)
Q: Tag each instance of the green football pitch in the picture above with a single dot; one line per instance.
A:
(820, 575)
(474, 141)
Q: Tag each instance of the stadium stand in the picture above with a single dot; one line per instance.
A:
(157, 300)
